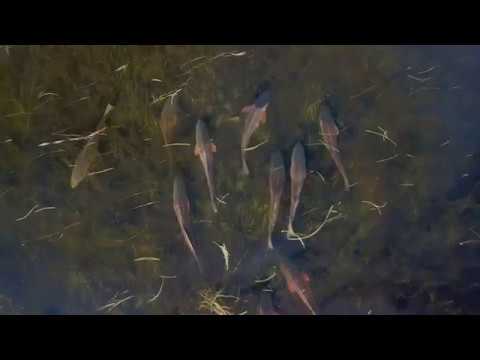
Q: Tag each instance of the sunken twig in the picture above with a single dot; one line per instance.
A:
(383, 134)
(375, 207)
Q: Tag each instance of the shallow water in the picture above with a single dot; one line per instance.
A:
(81, 249)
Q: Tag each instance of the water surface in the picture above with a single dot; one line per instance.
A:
(79, 249)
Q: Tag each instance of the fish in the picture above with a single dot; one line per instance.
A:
(204, 149)
(256, 115)
(82, 164)
(168, 122)
(330, 132)
(181, 206)
(276, 184)
(89, 153)
(298, 283)
(298, 173)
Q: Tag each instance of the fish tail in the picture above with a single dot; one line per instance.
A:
(269, 242)
(307, 303)
(199, 264)
(245, 170)
(290, 228)
(192, 250)
(214, 206)
(347, 183)
(293, 210)
(212, 195)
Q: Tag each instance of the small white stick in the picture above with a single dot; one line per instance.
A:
(28, 213)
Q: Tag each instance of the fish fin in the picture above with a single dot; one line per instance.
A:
(213, 147)
(196, 151)
(248, 108)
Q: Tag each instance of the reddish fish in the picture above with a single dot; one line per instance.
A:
(181, 206)
(276, 183)
(329, 131)
(204, 148)
(298, 284)
(256, 114)
(298, 173)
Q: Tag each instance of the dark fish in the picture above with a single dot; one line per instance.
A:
(298, 173)
(329, 132)
(168, 119)
(181, 206)
(204, 148)
(265, 305)
(256, 114)
(298, 283)
(276, 183)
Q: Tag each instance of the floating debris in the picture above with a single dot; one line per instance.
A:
(59, 234)
(383, 134)
(161, 288)
(146, 258)
(326, 221)
(427, 70)
(256, 146)
(375, 206)
(318, 173)
(267, 279)
(45, 208)
(387, 159)
(222, 198)
(43, 94)
(113, 305)
(27, 214)
(469, 242)
(419, 79)
(101, 171)
(445, 143)
(176, 144)
(121, 68)
(146, 204)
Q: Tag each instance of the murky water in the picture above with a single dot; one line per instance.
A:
(404, 239)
